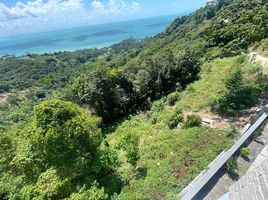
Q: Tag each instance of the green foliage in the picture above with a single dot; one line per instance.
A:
(168, 161)
(40, 94)
(130, 144)
(104, 92)
(174, 120)
(261, 47)
(60, 151)
(238, 94)
(204, 92)
(94, 193)
(158, 106)
(192, 121)
(211, 88)
(172, 98)
(13, 115)
(234, 80)
(231, 165)
(113, 93)
(3, 106)
(67, 127)
(170, 117)
(7, 151)
(57, 152)
(50, 186)
(13, 100)
(232, 132)
(49, 70)
(245, 151)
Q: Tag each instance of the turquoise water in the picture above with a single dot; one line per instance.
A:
(84, 37)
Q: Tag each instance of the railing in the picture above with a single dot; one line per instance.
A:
(202, 179)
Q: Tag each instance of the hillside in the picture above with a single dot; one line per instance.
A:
(122, 122)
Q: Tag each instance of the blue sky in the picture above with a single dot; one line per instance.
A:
(28, 16)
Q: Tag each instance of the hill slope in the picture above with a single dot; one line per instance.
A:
(144, 148)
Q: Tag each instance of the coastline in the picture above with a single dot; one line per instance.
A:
(80, 38)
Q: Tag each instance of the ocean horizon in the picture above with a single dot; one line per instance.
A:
(93, 36)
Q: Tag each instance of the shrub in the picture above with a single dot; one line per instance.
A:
(172, 98)
(231, 165)
(154, 120)
(40, 94)
(130, 144)
(6, 151)
(192, 121)
(94, 193)
(174, 120)
(238, 94)
(232, 132)
(60, 152)
(158, 106)
(245, 151)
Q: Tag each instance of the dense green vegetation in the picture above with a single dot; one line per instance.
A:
(227, 85)
(192, 121)
(109, 123)
(112, 93)
(58, 154)
(49, 70)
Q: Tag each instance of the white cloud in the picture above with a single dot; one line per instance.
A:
(38, 8)
(118, 7)
(41, 15)
(98, 5)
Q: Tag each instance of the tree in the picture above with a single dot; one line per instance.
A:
(106, 92)
(64, 133)
(238, 94)
(60, 154)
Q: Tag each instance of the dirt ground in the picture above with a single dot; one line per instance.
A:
(262, 60)
(3, 97)
(21, 95)
(222, 122)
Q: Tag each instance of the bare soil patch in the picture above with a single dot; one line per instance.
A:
(3, 97)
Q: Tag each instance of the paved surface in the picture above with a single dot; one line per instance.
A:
(216, 187)
(220, 183)
(214, 182)
(263, 156)
(254, 184)
(193, 190)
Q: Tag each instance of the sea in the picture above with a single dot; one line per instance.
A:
(94, 36)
